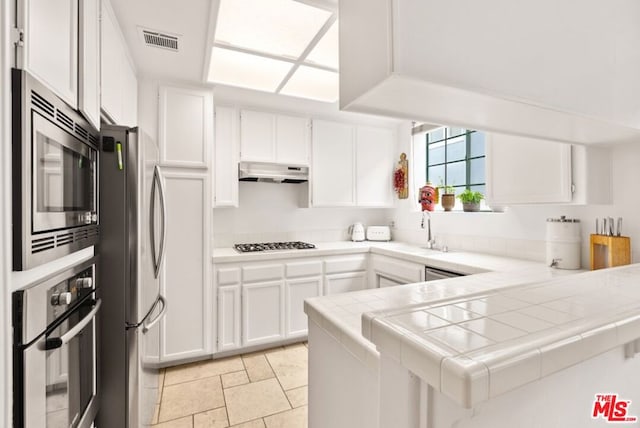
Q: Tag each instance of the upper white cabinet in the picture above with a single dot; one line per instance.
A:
(579, 87)
(374, 166)
(333, 164)
(269, 137)
(352, 165)
(528, 171)
(50, 49)
(225, 158)
(119, 85)
(185, 126)
(89, 70)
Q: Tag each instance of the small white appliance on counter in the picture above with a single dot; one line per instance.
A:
(378, 233)
(563, 243)
(357, 232)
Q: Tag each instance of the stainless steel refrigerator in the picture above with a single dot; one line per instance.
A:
(132, 231)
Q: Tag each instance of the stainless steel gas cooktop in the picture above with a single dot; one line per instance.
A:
(272, 246)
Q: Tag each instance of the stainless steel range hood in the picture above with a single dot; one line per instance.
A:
(272, 172)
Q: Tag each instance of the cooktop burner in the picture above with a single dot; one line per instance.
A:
(271, 246)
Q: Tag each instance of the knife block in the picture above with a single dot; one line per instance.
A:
(609, 251)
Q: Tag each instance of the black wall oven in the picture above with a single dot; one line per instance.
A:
(55, 370)
(54, 176)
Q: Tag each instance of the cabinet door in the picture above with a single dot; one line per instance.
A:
(527, 170)
(112, 54)
(262, 312)
(186, 126)
(374, 167)
(257, 136)
(129, 97)
(89, 88)
(292, 140)
(226, 157)
(228, 318)
(51, 45)
(296, 291)
(343, 282)
(333, 174)
(186, 328)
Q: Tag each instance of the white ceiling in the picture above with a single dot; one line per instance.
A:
(189, 19)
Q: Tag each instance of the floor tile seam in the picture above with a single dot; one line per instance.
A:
(238, 371)
(279, 383)
(196, 379)
(180, 417)
(268, 416)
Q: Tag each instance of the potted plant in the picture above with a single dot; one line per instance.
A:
(448, 197)
(470, 200)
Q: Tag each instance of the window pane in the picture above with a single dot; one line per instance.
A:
(477, 144)
(436, 135)
(436, 174)
(456, 149)
(436, 153)
(476, 171)
(480, 189)
(454, 131)
(456, 173)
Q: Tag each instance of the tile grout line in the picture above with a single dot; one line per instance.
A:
(279, 383)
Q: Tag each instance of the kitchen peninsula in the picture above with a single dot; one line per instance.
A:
(472, 351)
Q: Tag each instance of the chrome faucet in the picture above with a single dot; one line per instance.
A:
(430, 241)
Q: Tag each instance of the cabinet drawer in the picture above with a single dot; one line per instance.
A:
(399, 270)
(303, 269)
(228, 276)
(262, 273)
(346, 264)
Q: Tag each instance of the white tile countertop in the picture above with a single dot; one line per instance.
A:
(458, 261)
(486, 341)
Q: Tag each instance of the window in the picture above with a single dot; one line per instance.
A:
(455, 157)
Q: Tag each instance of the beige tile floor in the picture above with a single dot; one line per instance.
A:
(266, 389)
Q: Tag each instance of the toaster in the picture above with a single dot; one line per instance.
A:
(378, 233)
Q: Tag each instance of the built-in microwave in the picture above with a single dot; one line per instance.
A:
(55, 161)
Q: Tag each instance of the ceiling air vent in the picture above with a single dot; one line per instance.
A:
(159, 39)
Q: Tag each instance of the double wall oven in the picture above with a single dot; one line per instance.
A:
(54, 352)
(55, 159)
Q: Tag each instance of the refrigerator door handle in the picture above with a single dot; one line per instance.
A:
(148, 326)
(143, 322)
(157, 258)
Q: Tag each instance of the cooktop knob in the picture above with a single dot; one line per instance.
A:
(61, 299)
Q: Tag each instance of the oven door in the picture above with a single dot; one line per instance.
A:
(60, 372)
(63, 178)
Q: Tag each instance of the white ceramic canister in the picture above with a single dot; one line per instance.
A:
(563, 243)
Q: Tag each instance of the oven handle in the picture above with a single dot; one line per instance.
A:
(57, 342)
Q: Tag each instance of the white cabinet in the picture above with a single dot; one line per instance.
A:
(388, 66)
(50, 51)
(345, 282)
(303, 281)
(345, 273)
(374, 166)
(225, 157)
(269, 137)
(262, 312)
(229, 318)
(185, 126)
(387, 271)
(119, 87)
(186, 330)
(333, 164)
(89, 64)
(524, 170)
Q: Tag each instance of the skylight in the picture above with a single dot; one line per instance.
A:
(279, 46)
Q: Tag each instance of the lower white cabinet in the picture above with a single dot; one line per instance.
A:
(297, 290)
(262, 312)
(229, 311)
(344, 282)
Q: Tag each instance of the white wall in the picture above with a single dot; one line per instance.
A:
(520, 230)
(271, 212)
